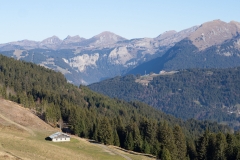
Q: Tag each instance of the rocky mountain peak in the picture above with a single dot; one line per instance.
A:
(74, 39)
(106, 38)
(214, 33)
(166, 34)
(169, 38)
(51, 40)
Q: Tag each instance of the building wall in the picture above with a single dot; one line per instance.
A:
(60, 140)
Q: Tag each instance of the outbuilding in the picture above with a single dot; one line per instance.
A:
(59, 137)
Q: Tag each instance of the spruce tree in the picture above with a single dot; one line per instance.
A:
(231, 147)
(191, 150)
(145, 147)
(180, 142)
(105, 133)
(220, 147)
(137, 140)
(116, 141)
(165, 154)
(166, 138)
(211, 146)
(202, 145)
(129, 144)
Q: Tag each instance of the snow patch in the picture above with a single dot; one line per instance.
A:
(81, 62)
(119, 56)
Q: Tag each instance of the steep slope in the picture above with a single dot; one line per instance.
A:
(214, 33)
(214, 44)
(194, 93)
(23, 136)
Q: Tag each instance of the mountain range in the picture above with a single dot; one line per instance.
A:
(214, 44)
(90, 60)
(85, 61)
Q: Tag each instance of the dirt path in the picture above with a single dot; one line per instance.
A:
(113, 151)
(18, 125)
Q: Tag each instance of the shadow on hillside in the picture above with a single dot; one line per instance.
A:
(48, 139)
(93, 141)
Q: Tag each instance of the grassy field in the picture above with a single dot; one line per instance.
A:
(22, 136)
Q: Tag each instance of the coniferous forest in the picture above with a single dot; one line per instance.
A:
(211, 94)
(130, 125)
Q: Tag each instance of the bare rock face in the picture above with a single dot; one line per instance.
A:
(214, 33)
(166, 35)
(74, 39)
(170, 38)
(51, 42)
(105, 38)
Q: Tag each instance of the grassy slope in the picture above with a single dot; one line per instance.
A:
(22, 136)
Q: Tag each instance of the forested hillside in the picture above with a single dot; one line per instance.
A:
(195, 93)
(131, 125)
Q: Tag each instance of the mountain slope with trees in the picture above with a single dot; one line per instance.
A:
(211, 94)
(131, 125)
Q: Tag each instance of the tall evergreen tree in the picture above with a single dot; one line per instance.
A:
(202, 146)
(191, 150)
(105, 133)
(129, 144)
(137, 140)
(180, 142)
(220, 147)
(115, 138)
(211, 146)
(166, 138)
(165, 154)
(146, 147)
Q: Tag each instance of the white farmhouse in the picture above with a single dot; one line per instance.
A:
(59, 137)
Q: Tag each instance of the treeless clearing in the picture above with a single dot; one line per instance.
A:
(22, 136)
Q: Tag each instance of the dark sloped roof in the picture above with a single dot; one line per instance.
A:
(59, 135)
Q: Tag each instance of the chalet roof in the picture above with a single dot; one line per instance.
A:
(59, 135)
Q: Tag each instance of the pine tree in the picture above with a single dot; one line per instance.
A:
(165, 154)
(211, 146)
(146, 147)
(137, 140)
(231, 147)
(220, 147)
(180, 142)
(105, 133)
(166, 138)
(191, 150)
(95, 131)
(129, 144)
(115, 138)
(202, 145)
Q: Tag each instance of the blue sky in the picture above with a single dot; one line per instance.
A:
(37, 20)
